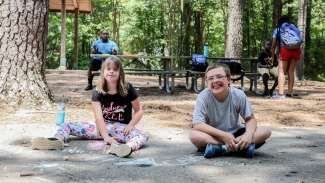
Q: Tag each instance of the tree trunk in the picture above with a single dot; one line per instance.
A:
(265, 15)
(198, 27)
(186, 32)
(63, 58)
(277, 11)
(23, 37)
(248, 30)
(302, 19)
(115, 17)
(234, 29)
(162, 26)
(172, 24)
(307, 34)
(118, 29)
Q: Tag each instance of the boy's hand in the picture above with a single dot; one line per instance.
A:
(244, 140)
(229, 140)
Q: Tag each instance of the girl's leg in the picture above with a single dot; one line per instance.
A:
(135, 139)
(116, 130)
(80, 129)
(291, 75)
(281, 79)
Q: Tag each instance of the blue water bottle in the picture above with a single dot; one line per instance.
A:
(60, 115)
(206, 50)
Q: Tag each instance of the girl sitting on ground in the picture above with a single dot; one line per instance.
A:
(112, 104)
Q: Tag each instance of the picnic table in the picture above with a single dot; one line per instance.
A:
(194, 80)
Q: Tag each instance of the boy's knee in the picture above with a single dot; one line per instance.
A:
(267, 132)
(195, 138)
(197, 141)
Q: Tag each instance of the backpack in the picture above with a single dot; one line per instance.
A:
(199, 62)
(235, 68)
(290, 36)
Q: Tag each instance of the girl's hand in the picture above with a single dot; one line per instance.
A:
(110, 140)
(128, 129)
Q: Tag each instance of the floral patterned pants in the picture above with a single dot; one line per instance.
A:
(135, 139)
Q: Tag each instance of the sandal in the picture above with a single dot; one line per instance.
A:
(41, 143)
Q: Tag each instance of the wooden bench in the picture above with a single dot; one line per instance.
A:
(166, 79)
(195, 76)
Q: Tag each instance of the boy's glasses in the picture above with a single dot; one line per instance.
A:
(216, 77)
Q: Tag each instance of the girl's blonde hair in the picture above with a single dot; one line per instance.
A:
(122, 85)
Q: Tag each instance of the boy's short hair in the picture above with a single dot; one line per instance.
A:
(218, 65)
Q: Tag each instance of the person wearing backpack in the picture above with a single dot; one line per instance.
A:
(288, 39)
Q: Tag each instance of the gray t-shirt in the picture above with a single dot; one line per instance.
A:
(222, 115)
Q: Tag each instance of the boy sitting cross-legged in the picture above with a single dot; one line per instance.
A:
(217, 129)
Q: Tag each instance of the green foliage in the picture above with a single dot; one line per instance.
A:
(142, 31)
(315, 67)
(214, 12)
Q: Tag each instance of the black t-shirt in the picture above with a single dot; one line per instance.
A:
(263, 59)
(116, 108)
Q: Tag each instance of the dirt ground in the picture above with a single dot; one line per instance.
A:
(295, 152)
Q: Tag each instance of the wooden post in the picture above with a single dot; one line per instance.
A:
(75, 38)
(63, 60)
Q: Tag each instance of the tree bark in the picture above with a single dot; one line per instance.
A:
(265, 15)
(23, 37)
(247, 26)
(198, 36)
(162, 26)
(115, 21)
(234, 29)
(186, 29)
(307, 34)
(302, 19)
